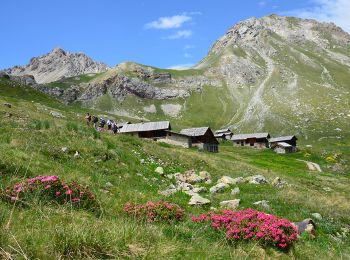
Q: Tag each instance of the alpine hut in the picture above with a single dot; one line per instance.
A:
(284, 144)
(178, 139)
(255, 140)
(203, 138)
(223, 134)
(152, 130)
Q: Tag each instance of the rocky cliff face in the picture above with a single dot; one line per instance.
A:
(56, 65)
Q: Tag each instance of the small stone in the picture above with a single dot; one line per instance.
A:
(307, 225)
(194, 178)
(317, 216)
(109, 185)
(167, 192)
(235, 191)
(257, 179)
(205, 175)
(220, 187)
(183, 186)
(200, 189)
(262, 203)
(56, 114)
(327, 189)
(227, 180)
(231, 204)
(190, 192)
(139, 174)
(238, 180)
(170, 176)
(77, 154)
(208, 181)
(159, 170)
(142, 161)
(8, 105)
(64, 149)
(278, 183)
(198, 200)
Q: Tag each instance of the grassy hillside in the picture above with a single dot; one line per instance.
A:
(31, 143)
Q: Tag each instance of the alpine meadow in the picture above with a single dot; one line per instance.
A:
(245, 155)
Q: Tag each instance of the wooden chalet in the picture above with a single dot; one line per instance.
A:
(255, 140)
(152, 130)
(223, 134)
(203, 138)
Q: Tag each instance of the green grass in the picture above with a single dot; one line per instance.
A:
(30, 145)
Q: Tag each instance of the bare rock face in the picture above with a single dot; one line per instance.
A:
(56, 65)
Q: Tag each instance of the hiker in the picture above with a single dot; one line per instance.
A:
(88, 119)
(94, 121)
(114, 127)
(109, 124)
(102, 123)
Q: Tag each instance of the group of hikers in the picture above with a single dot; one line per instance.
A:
(99, 124)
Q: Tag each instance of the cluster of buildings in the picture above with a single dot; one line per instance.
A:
(205, 139)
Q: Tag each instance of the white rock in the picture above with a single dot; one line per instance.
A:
(317, 216)
(235, 191)
(198, 200)
(205, 175)
(159, 170)
(220, 187)
(231, 204)
(200, 189)
(227, 180)
(167, 192)
(64, 149)
(257, 179)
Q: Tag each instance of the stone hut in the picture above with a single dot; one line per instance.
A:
(178, 139)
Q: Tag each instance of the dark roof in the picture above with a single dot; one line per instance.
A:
(223, 131)
(176, 133)
(247, 136)
(199, 131)
(145, 127)
(282, 138)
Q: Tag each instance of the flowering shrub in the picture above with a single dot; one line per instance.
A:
(50, 188)
(250, 224)
(155, 211)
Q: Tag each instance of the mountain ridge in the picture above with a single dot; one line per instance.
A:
(262, 74)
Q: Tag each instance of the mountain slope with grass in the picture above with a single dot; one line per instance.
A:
(120, 169)
(279, 74)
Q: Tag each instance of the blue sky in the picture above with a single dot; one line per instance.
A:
(154, 32)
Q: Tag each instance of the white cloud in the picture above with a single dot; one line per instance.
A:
(183, 34)
(181, 66)
(337, 11)
(169, 22)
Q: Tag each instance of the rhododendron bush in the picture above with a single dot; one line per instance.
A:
(155, 211)
(250, 224)
(50, 188)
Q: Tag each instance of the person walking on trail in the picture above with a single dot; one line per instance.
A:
(94, 121)
(102, 122)
(88, 119)
(109, 124)
(114, 127)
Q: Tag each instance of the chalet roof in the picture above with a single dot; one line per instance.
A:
(199, 131)
(146, 126)
(222, 131)
(246, 136)
(283, 144)
(282, 138)
(176, 133)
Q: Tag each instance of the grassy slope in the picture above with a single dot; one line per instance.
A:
(30, 145)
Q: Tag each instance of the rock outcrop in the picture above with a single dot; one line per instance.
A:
(56, 65)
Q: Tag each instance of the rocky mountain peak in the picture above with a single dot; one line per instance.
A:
(56, 65)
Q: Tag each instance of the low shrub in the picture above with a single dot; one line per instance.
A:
(250, 224)
(155, 211)
(50, 188)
